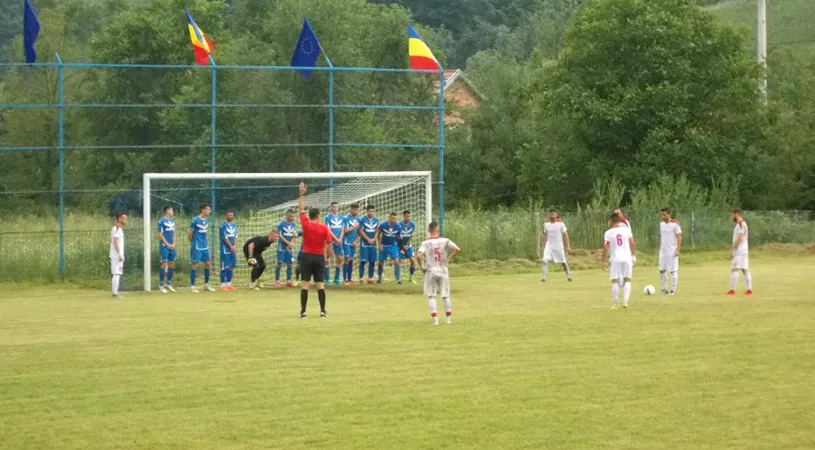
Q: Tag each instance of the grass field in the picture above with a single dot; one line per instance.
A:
(523, 366)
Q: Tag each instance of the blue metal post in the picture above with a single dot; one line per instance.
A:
(61, 150)
(330, 124)
(213, 142)
(441, 150)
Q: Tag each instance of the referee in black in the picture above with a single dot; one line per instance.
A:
(253, 252)
(316, 246)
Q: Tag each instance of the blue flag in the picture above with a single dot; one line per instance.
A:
(307, 51)
(31, 29)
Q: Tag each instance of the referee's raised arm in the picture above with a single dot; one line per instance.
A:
(316, 239)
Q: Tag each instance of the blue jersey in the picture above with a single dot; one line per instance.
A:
(389, 233)
(288, 231)
(167, 229)
(368, 227)
(228, 233)
(351, 236)
(335, 224)
(199, 233)
(407, 232)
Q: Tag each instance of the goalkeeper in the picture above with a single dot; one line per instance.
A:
(253, 251)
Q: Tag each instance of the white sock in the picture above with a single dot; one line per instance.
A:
(734, 279)
(544, 270)
(431, 306)
(448, 306)
(566, 269)
(114, 284)
(674, 280)
(626, 292)
(663, 277)
(748, 280)
(615, 292)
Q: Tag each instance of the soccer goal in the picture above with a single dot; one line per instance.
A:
(260, 202)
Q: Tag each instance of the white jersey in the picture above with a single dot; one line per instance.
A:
(627, 224)
(117, 232)
(741, 228)
(668, 233)
(436, 251)
(554, 234)
(617, 239)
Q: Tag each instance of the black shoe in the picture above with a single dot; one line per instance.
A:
(322, 314)
(303, 315)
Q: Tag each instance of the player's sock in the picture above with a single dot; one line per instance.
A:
(223, 276)
(748, 280)
(277, 274)
(370, 270)
(615, 292)
(170, 274)
(161, 277)
(734, 280)
(397, 272)
(379, 271)
(626, 292)
(448, 306)
(297, 273)
(193, 276)
(412, 271)
(327, 274)
(288, 273)
(114, 284)
(229, 274)
(544, 270)
(337, 273)
(566, 270)
(303, 300)
(431, 306)
(674, 280)
(321, 298)
(206, 276)
(361, 269)
(663, 278)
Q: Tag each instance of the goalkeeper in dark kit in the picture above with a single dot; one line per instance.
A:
(253, 251)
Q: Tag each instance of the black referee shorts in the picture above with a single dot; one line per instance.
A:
(313, 266)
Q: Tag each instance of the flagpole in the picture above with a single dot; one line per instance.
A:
(330, 106)
(61, 147)
(212, 142)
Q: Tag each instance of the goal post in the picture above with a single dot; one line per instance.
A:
(266, 201)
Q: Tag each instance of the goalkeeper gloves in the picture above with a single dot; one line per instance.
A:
(252, 261)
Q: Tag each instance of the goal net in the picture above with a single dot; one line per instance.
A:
(260, 202)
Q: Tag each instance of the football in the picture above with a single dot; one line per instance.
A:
(649, 290)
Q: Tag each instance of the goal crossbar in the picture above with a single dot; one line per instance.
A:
(149, 177)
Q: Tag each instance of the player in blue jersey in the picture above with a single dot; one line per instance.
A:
(166, 248)
(369, 231)
(199, 247)
(406, 244)
(350, 239)
(285, 248)
(228, 233)
(336, 225)
(389, 246)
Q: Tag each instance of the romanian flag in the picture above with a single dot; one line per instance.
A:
(201, 45)
(421, 58)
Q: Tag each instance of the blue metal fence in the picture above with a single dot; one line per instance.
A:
(213, 106)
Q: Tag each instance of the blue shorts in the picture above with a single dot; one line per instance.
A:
(228, 261)
(338, 250)
(349, 251)
(197, 256)
(408, 253)
(167, 255)
(285, 256)
(391, 251)
(367, 254)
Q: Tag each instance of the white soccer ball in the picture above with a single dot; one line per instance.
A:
(649, 290)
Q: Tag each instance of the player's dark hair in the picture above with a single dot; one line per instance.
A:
(334, 203)
(614, 217)
(289, 211)
(736, 211)
(433, 226)
(553, 210)
(393, 214)
(354, 205)
(166, 208)
(313, 213)
(229, 211)
(120, 214)
(405, 212)
(667, 210)
(369, 207)
(204, 206)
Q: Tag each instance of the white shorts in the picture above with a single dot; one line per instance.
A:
(555, 255)
(618, 270)
(668, 263)
(741, 261)
(435, 285)
(116, 266)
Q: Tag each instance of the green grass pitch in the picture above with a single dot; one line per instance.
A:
(523, 366)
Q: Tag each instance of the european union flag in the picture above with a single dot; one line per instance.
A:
(307, 51)
(31, 29)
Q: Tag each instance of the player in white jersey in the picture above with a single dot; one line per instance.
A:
(620, 242)
(439, 251)
(739, 255)
(117, 253)
(553, 233)
(670, 243)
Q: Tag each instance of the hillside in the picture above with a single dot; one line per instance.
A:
(789, 24)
